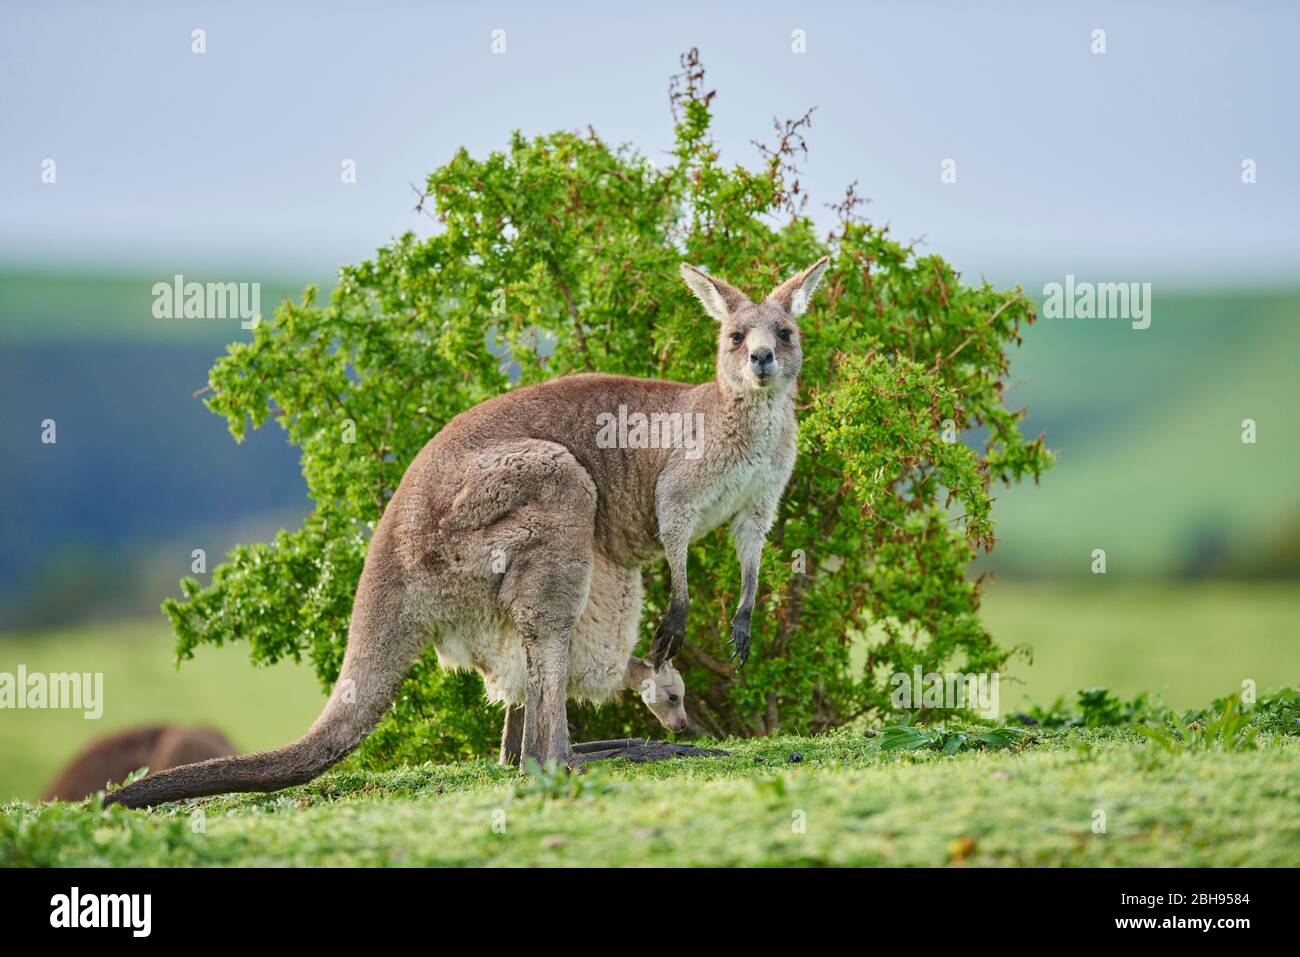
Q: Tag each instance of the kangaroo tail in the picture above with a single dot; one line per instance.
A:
(382, 643)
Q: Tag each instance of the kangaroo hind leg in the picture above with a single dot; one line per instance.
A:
(512, 734)
(545, 504)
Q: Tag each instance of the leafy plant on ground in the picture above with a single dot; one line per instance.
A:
(951, 740)
(1097, 708)
(553, 781)
(559, 254)
(1275, 712)
(1223, 729)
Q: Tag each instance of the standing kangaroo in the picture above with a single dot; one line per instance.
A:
(514, 542)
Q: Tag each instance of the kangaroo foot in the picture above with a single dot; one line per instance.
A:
(645, 751)
(587, 747)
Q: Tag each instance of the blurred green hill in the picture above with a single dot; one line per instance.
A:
(43, 306)
(1147, 424)
(103, 522)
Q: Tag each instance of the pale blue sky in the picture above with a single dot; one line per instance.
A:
(1121, 166)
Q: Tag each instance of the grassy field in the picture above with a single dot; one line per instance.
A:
(1071, 798)
(1190, 643)
(845, 802)
(256, 707)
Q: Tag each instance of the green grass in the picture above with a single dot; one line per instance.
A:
(256, 707)
(1189, 642)
(856, 805)
(1037, 806)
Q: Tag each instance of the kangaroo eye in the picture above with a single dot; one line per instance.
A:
(784, 335)
(737, 337)
(672, 699)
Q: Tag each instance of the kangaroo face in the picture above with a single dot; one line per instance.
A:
(758, 349)
(758, 343)
(664, 693)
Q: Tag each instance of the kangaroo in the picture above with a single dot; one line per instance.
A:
(111, 759)
(521, 526)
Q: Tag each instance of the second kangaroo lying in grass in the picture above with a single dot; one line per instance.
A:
(111, 759)
(524, 524)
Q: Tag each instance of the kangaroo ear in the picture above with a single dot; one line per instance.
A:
(720, 299)
(795, 293)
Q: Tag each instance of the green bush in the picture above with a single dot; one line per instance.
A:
(560, 254)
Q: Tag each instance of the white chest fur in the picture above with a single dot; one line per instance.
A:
(750, 462)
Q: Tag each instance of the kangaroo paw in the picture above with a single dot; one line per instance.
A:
(668, 638)
(740, 639)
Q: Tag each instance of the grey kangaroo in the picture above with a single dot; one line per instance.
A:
(514, 542)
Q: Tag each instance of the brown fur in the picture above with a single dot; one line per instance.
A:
(491, 544)
(109, 760)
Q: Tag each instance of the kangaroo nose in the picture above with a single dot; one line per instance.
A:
(761, 358)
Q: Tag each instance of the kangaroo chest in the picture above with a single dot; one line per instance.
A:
(742, 474)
